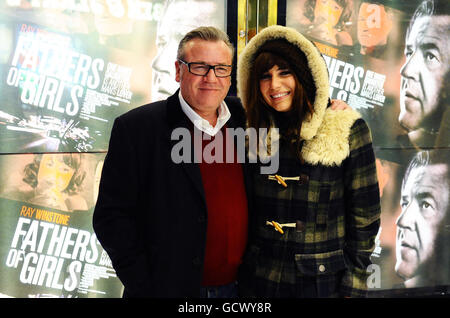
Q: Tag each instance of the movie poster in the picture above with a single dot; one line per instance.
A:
(388, 59)
(48, 247)
(68, 68)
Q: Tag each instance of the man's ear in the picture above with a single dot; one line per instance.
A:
(177, 71)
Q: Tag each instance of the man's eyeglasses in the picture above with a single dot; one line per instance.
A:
(202, 69)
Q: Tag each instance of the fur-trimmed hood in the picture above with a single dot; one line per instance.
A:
(326, 131)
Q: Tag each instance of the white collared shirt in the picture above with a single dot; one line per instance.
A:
(201, 123)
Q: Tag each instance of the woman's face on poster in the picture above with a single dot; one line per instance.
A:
(424, 203)
(328, 11)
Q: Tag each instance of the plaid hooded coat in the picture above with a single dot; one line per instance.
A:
(331, 204)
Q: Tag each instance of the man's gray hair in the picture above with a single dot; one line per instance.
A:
(429, 8)
(207, 33)
(426, 158)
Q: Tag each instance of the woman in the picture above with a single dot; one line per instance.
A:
(313, 224)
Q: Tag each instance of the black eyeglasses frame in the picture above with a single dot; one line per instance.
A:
(213, 67)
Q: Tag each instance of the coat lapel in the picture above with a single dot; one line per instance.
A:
(177, 119)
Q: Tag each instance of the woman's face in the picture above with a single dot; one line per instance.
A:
(328, 11)
(277, 88)
(53, 173)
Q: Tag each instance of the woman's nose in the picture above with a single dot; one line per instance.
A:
(275, 82)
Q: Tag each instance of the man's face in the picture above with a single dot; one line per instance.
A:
(427, 60)
(374, 25)
(424, 202)
(179, 18)
(204, 93)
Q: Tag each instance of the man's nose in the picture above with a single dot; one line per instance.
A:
(162, 62)
(411, 67)
(407, 217)
(210, 76)
(157, 63)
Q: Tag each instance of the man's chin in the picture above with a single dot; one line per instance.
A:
(403, 270)
(405, 123)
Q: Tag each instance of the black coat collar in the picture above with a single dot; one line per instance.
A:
(175, 115)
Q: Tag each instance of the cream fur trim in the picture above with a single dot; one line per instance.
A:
(330, 146)
(315, 61)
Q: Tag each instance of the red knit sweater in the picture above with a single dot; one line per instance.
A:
(226, 202)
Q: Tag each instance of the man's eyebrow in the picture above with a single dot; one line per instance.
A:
(429, 46)
(204, 63)
(425, 195)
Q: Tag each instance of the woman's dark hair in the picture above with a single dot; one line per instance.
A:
(73, 160)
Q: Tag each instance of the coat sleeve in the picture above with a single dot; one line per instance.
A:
(114, 219)
(362, 200)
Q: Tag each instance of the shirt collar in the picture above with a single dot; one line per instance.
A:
(201, 123)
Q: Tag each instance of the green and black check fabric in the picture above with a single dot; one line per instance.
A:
(337, 215)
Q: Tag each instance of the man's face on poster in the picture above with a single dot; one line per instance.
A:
(179, 18)
(427, 60)
(424, 203)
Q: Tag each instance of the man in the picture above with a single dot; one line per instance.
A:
(171, 28)
(374, 25)
(427, 61)
(176, 230)
(422, 228)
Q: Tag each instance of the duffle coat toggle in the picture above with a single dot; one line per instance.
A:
(301, 179)
(298, 225)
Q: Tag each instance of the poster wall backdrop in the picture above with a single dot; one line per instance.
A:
(68, 68)
(389, 59)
